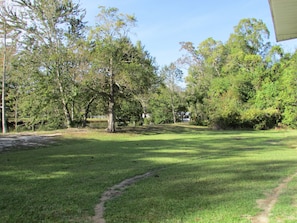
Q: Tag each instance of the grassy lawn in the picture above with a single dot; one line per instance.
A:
(200, 176)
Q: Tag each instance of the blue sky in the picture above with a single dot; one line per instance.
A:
(162, 24)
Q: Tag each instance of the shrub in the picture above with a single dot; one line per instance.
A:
(260, 119)
(226, 121)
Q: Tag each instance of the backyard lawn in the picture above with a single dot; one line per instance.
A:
(198, 175)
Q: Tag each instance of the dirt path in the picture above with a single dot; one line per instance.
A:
(24, 141)
(267, 204)
(113, 192)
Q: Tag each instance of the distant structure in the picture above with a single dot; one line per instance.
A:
(284, 16)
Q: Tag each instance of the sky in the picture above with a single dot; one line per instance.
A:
(163, 24)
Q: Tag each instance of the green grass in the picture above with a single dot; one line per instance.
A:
(285, 209)
(201, 176)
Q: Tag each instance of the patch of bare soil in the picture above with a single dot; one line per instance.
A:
(25, 141)
(267, 204)
(113, 192)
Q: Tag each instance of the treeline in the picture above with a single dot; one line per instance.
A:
(243, 83)
(58, 72)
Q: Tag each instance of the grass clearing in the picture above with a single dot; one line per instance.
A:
(201, 176)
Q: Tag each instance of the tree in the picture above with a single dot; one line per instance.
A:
(119, 68)
(159, 106)
(287, 85)
(205, 63)
(249, 39)
(4, 29)
(250, 36)
(9, 35)
(172, 75)
(109, 38)
(244, 64)
(49, 31)
(224, 79)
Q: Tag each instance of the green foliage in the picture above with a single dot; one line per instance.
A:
(48, 58)
(268, 95)
(172, 75)
(250, 37)
(288, 93)
(244, 83)
(167, 105)
(259, 119)
(290, 116)
(121, 68)
(224, 112)
(129, 112)
(160, 107)
(58, 77)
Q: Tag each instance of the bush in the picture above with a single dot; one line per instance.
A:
(226, 121)
(260, 119)
(249, 119)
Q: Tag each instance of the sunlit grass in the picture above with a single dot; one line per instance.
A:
(200, 175)
(285, 208)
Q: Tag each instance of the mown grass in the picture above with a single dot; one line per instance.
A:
(285, 209)
(200, 176)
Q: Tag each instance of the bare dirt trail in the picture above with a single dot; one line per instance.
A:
(24, 141)
(113, 192)
(267, 204)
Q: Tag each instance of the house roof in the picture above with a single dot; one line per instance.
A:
(284, 15)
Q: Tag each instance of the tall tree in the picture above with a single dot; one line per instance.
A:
(205, 63)
(250, 36)
(8, 32)
(172, 76)
(5, 31)
(118, 66)
(224, 78)
(249, 39)
(50, 29)
(109, 36)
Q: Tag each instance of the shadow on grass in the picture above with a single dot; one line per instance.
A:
(159, 129)
(216, 172)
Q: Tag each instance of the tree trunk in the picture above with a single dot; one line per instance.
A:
(16, 115)
(67, 116)
(111, 101)
(111, 117)
(68, 120)
(172, 108)
(173, 114)
(72, 110)
(4, 124)
(87, 110)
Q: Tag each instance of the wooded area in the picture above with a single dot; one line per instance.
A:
(58, 72)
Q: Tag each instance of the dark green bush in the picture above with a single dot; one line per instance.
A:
(226, 121)
(260, 119)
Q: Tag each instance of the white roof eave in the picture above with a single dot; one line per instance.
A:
(284, 15)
